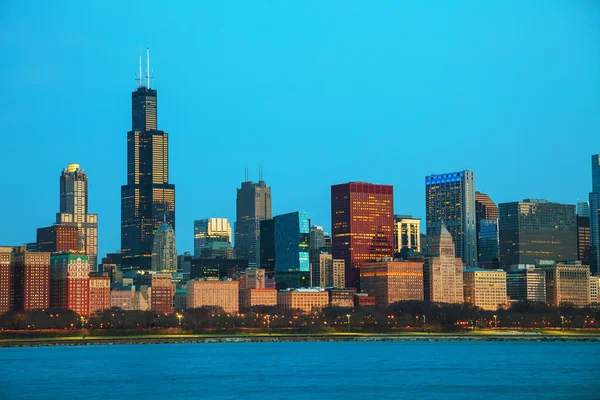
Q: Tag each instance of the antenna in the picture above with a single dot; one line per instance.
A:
(140, 76)
(245, 174)
(147, 68)
(260, 172)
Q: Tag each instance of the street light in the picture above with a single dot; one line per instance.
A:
(348, 315)
(180, 317)
(495, 321)
(82, 321)
(562, 321)
(268, 323)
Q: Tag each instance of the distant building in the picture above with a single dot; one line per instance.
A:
(164, 251)
(567, 284)
(255, 297)
(203, 293)
(595, 216)
(331, 273)
(292, 265)
(267, 246)
(526, 284)
(70, 283)
(362, 223)
(216, 268)
(218, 250)
(450, 198)
(161, 293)
(5, 278)
(407, 233)
(253, 278)
(121, 296)
(594, 290)
(305, 300)
(392, 281)
(253, 204)
(583, 208)
(58, 238)
(211, 230)
(114, 272)
(180, 300)
(341, 297)
(485, 288)
(30, 276)
(100, 298)
(533, 230)
(442, 271)
(364, 300)
(583, 239)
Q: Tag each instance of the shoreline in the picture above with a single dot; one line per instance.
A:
(203, 339)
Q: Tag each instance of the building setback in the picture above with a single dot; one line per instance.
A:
(392, 281)
(362, 220)
(526, 284)
(148, 199)
(442, 271)
(534, 230)
(253, 204)
(213, 293)
(450, 198)
(485, 288)
(30, 276)
(567, 284)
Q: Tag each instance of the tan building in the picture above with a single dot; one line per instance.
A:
(305, 300)
(485, 288)
(257, 297)
(99, 293)
(224, 294)
(442, 271)
(254, 278)
(594, 289)
(332, 271)
(407, 232)
(122, 296)
(567, 283)
(392, 281)
(140, 301)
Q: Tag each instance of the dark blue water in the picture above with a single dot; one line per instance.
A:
(380, 370)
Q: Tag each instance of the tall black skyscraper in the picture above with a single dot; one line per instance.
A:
(148, 199)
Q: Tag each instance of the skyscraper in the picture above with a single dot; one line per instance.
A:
(291, 237)
(533, 230)
(164, 251)
(30, 279)
(148, 199)
(362, 222)
(583, 208)
(583, 239)
(450, 198)
(70, 283)
(74, 211)
(595, 216)
(407, 233)
(210, 230)
(253, 204)
(486, 217)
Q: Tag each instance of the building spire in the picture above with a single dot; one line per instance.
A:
(140, 75)
(147, 68)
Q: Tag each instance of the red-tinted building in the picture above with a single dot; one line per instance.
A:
(161, 293)
(58, 238)
(70, 283)
(364, 300)
(362, 221)
(99, 293)
(5, 279)
(30, 279)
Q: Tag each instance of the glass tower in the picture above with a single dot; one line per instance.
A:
(148, 199)
(291, 240)
(164, 251)
(253, 204)
(594, 215)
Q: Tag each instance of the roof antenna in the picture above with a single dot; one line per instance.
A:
(140, 76)
(147, 68)
(260, 172)
(245, 174)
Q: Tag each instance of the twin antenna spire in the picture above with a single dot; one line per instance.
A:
(260, 173)
(140, 84)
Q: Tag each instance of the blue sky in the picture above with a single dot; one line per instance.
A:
(317, 92)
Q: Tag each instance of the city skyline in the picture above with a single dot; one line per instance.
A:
(548, 120)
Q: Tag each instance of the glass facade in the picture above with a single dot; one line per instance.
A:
(291, 239)
(450, 198)
(164, 251)
(526, 284)
(253, 204)
(211, 230)
(487, 240)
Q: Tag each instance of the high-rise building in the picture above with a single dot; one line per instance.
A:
(594, 290)
(148, 199)
(70, 283)
(583, 239)
(567, 284)
(407, 233)
(595, 216)
(161, 293)
(164, 251)
(209, 231)
(450, 198)
(442, 271)
(392, 281)
(486, 221)
(74, 211)
(331, 272)
(583, 208)
(253, 204)
(292, 264)
(533, 230)
(485, 288)
(362, 221)
(5, 279)
(99, 293)
(213, 293)
(317, 238)
(526, 284)
(30, 279)
(267, 246)
(58, 238)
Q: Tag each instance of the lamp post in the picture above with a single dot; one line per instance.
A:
(268, 324)
(348, 315)
(562, 322)
(495, 321)
(179, 317)
(82, 321)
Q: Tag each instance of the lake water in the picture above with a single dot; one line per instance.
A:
(342, 370)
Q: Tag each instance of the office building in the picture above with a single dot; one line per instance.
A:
(583, 239)
(122, 296)
(253, 278)
(533, 230)
(213, 293)
(442, 270)
(392, 281)
(341, 297)
(486, 222)
(211, 230)
(164, 251)
(450, 198)
(594, 290)
(30, 279)
(267, 246)
(5, 278)
(583, 208)
(362, 221)
(218, 250)
(180, 300)
(99, 293)
(148, 199)
(526, 284)
(217, 268)
(291, 237)
(58, 238)
(70, 283)
(316, 238)
(567, 284)
(74, 213)
(594, 210)
(485, 288)
(407, 233)
(364, 300)
(304, 300)
(257, 297)
(161, 292)
(253, 204)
